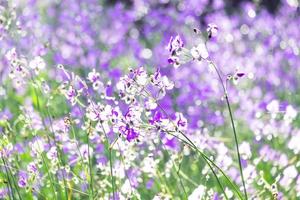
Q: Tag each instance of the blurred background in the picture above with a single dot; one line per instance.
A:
(259, 38)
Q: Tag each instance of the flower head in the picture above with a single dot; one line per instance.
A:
(129, 132)
(175, 44)
(23, 180)
(199, 52)
(37, 64)
(181, 121)
(212, 30)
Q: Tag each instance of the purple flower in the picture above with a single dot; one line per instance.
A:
(150, 183)
(5, 114)
(129, 132)
(3, 193)
(174, 60)
(32, 168)
(156, 118)
(175, 44)
(86, 152)
(22, 182)
(52, 154)
(181, 122)
(71, 95)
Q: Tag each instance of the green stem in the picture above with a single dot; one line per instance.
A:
(49, 174)
(10, 188)
(14, 182)
(90, 167)
(196, 148)
(44, 124)
(177, 169)
(233, 126)
(208, 160)
(59, 151)
(110, 162)
(209, 164)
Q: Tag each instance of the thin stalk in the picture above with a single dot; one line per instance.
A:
(45, 164)
(10, 188)
(49, 174)
(89, 161)
(166, 187)
(188, 179)
(112, 175)
(90, 167)
(14, 182)
(44, 124)
(78, 191)
(177, 169)
(80, 154)
(9, 173)
(208, 160)
(110, 162)
(233, 126)
(59, 151)
(209, 165)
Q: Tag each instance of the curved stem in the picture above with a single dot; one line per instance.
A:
(232, 124)
(176, 168)
(208, 160)
(195, 147)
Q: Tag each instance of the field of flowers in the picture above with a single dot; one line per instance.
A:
(149, 99)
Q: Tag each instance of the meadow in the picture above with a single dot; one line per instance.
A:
(149, 99)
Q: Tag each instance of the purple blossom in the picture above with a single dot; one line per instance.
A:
(129, 133)
(175, 44)
(181, 122)
(22, 180)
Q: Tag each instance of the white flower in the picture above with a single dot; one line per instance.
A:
(245, 150)
(52, 154)
(37, 64)
(198, 193)
(126, 188)
(96, 111)
(273, 108)
(151, 104)
(11, 54)
(250, 173)
(290, 114)
(37, 146)
(149, 165)
(141, 77)
(168, 85)
(212, 30)
(93, 76)
(85, 152)
(288, 175)
(199, 52)
(121, 85)
(174, 60)
(294, 143)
